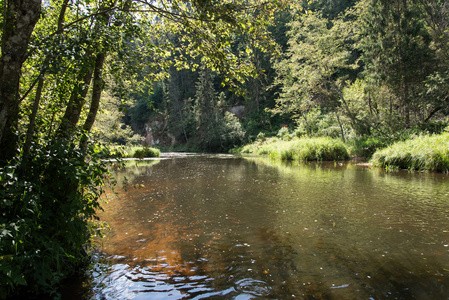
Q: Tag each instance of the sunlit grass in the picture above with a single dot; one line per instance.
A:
(302, 149)
(420, 153)
(135, 151)
(146, 152)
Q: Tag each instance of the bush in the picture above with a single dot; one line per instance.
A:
(47, 206)
(366, 146)
(421, 153)
(284, 134)
(261, 136)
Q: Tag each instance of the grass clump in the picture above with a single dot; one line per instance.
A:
(131, 151)
(302, 149)
(146, 152)
(429, 152)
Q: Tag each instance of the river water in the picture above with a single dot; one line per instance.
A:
(230, 227)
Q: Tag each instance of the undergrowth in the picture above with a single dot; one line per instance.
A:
(48, 204)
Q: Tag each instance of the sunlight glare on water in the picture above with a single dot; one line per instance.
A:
(227, 227)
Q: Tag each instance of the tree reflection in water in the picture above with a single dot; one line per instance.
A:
(223, 228)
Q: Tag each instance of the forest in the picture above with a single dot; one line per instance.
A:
(352, 70)
(82, 80)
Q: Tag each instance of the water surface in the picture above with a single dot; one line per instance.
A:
(227, 227)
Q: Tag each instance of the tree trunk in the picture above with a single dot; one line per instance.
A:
(77, 100)
(432, 113)
(92, 65)
(20, 17)
(341, 128)
(97, 89)
(34, 110)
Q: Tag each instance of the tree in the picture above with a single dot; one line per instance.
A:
(109, 127)
(396, 47)
(216, 129)
(318, 65)
(330, 9)
(436, 94)
(19, 19)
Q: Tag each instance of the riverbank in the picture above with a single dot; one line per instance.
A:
(305, 149)
(422, 153)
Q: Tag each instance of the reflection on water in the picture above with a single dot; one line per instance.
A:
(226, 227)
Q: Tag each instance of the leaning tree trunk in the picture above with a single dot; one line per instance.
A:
(20, 17)
(77, 100)
(34, 110)
(97, 89)
(93, 65)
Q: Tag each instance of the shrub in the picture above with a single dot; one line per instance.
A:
(47, 205)
(366, 146)
(284, 134)
(261, 136)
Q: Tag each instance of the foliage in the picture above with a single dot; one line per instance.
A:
(315, 123)
(284, 134)
(145, 102)
(146, 152)
(398, 53)
(425, 152)
(109, 127)
(313, 70)
(47, 207)
(330, 9)
(366, 146)
(223, 133)
(215, 128)
(367, 67)
(303, 149)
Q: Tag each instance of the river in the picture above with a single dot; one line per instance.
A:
(231, 227)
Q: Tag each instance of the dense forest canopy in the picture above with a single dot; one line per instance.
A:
(344, 69)
(206, 75)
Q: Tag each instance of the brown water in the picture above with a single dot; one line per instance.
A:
(226, 227)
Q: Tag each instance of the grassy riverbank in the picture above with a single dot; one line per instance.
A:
(420, 153)
(305, 149)
(425, 152)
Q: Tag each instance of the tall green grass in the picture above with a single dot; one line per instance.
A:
(133, 151)
(302, 149)
(145, 152)
(420, 153)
